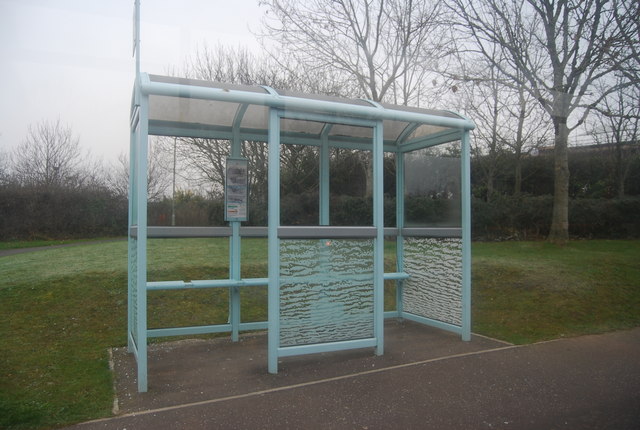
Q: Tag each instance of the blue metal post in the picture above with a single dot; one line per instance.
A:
(141, 200)
(378, 222)
(466, 236)
(234, 254)
(234, 273)
(400, 226)
(274, 245)
(136, 35)
(130, 241)
(324, 180)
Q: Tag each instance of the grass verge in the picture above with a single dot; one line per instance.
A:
(62, 308)
(17, 244)
(531, 291)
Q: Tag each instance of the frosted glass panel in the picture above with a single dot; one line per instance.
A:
(434, 288)
(326, 290)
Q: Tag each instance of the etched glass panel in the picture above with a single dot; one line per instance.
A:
(326, 290)
(434, 288)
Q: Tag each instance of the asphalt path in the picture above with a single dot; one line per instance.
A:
(588, 382)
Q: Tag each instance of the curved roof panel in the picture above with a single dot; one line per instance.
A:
(198, 108)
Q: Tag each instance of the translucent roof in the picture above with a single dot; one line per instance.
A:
(198, 108)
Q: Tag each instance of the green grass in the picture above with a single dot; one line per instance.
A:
(531, 291)
(17, 244)
(62, 308)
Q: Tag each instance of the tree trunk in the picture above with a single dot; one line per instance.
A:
(620, 169)
(517, 187)
(489, 182)
(559, 231)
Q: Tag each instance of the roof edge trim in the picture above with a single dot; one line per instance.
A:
(298, 104)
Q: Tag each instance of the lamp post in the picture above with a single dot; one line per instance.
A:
(173, 191)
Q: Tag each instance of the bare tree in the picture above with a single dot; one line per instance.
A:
(617, 128)
(526, 128)
(485, 105)
(4, 169)
(561, 50)
(203, 160)
(158, 177)
(626, 16)
(382, 47)
(49, 156)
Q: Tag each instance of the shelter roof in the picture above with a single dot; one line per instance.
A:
(199, 108)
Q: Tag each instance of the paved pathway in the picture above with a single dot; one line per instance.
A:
(589, 382)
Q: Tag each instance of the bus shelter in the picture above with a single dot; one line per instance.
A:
(325, 282)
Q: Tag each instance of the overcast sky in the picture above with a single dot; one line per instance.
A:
(72, 59)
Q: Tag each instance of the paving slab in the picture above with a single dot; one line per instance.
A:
(427, 379)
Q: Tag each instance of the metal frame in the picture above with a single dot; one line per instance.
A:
(281, 107)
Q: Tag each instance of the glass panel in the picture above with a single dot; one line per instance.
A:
(299, 184)
(351, 182)
(133, 287)
(432, 187)
(326, 291)
(434, 289)
(194, 111)
(426, 130)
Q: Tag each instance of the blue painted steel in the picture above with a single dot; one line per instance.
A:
(136, 35)
(396, 276)
(466, 236)
(210, 283)
(342, 142)
(274, 242)
(378, 222)
(400, 227)
(234, 273)
(303, 109)
(235, 242)
(131, 272)
(244, 282)
(141, 242)
(298, 104)
(326, 347)
(324, 191)
(205, 329)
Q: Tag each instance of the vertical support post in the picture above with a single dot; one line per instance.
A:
(136, 35)
(234, 273)
(400, 226)
(378, 222)
(324, 181)
(141, 248)
(234, 254)
(132, 220)
(466, 235)
(274, 245)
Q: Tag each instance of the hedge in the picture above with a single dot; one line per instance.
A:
(62, 213)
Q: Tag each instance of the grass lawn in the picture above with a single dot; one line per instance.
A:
(62, 308)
